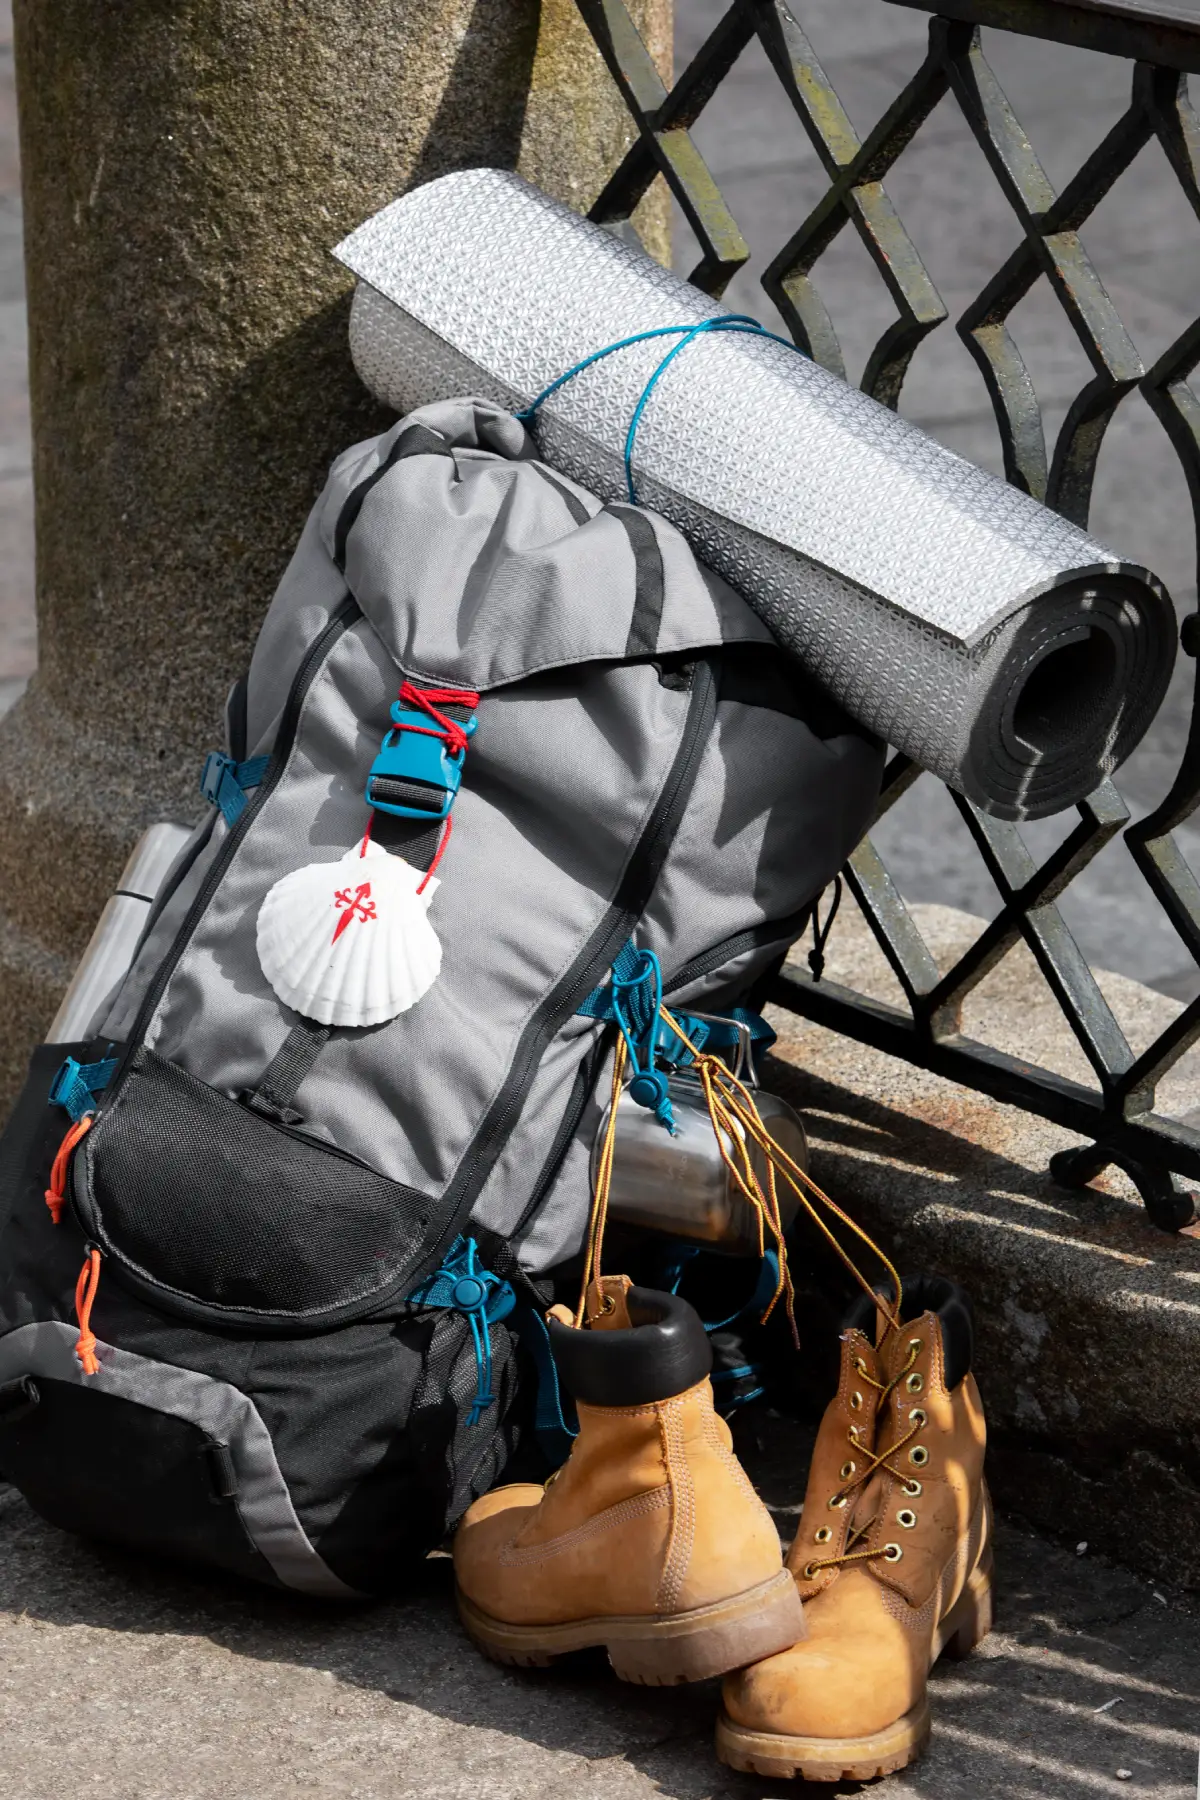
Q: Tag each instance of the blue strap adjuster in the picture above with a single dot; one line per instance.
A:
(460, 1285)
(223, 782)
(632, 998)
(76, 1085)
(412, 752)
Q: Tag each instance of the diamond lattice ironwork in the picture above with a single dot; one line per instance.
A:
(1115, 1115)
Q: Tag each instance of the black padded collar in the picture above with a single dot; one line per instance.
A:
(666, 1352)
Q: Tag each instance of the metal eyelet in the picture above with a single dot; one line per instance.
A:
(915, 1382)
(810, 1571)
(837, 1502)
(917, 1415)
(825, 1534)
(913, 1489)
(918, 1456)
(860, 1365)
(907, 1518)
(856, 1401)
(847, 1469)
(916, 1345)
(892, 1552)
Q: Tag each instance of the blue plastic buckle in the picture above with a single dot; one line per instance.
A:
(76, 1085)
(223, 782)
(411, 751)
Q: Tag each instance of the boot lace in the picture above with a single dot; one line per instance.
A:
(738, 1126)
(855, 1479)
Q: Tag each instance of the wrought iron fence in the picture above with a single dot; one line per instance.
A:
(1162, 42)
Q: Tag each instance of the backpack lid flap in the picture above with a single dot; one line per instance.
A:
(479, 566)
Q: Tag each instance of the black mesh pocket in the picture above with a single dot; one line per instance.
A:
(460, 1461)
(220, 1213)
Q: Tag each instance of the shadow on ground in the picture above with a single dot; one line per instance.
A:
(148, 1681)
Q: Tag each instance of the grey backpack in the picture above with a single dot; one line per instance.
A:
(249, 1338)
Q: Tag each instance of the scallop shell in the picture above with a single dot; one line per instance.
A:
(350, 943)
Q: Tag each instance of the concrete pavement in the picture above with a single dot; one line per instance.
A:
(120, 1680)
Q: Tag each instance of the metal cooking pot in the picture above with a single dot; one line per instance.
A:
(680, 1185)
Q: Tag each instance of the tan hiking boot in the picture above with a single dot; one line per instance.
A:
(892, 1558)
(650, 1539)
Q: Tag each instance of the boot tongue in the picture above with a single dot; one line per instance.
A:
(869, 1320)
(935, 1300)
(869, 1498)
(606, 1307)
(866, 1507)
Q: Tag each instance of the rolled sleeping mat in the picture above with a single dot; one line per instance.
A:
(965, 623)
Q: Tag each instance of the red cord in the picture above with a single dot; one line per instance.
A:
(451, 734)
(428, 699)
(438, 854)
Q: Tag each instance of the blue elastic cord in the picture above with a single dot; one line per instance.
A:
(747, 1371)
(639, 337)
(554, 1432)
(764, 1287)
(599, 1003)
(638, 1014)
(637, 1002)
(460, 1285)
(673, 1270)
(739, 322)
(717, 1032)
(734, 322)
(483, 1369)
(632, 999)
(677, 1256)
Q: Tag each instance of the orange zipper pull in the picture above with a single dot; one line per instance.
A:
(85, 1294)
(57, 1191)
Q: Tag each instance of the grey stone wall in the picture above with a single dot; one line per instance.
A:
(186, 168)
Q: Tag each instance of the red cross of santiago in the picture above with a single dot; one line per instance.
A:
(358, 905)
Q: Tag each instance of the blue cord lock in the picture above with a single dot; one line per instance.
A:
(649, 1089)
(483, 1299)
(468, 1293)
(636, 988)
(411, 752)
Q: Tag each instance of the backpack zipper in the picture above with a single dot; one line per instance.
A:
(582, 1089)
(315, 656)
(628, 904)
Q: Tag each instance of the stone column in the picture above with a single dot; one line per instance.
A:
(187, 165)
